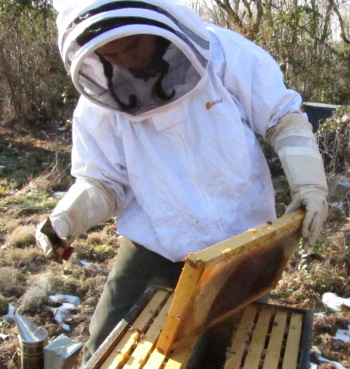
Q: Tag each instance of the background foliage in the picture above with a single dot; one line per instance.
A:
(310, 40)
(33, 82)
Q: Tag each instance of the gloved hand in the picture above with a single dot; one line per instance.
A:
(87, 203)
(313, 200)
(53, 246)
(296, 146)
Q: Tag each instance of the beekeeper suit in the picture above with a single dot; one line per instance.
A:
(171, 148)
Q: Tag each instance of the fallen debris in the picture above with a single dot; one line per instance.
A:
(58, 193)
(65, 298)
(84, 262)
(343, 335)
(334, 302)
(63, 313)
(11, 313)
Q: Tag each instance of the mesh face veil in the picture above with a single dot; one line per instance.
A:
(180, 60)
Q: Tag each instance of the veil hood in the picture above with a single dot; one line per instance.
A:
(85, 26)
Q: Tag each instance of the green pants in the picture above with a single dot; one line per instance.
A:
(134, 270)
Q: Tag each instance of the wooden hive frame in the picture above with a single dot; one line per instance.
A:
(163, 335)
(206, 272)
(271, 337)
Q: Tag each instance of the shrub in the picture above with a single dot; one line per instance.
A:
(333, 139)
(33, 84)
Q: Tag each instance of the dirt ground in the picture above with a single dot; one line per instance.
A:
(27, 279)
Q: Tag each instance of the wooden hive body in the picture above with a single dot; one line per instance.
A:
(270, 337)
(132, 345)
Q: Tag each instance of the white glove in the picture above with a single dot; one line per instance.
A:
(53, 247)
(296, 146)
(87, 203)
(313, 200)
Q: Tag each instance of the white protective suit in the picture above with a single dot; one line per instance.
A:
(189, 172)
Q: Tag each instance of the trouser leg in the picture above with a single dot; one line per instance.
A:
(134, 269)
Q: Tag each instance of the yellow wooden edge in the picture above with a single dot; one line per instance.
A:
(147, 341)
(155, 361)
(257, 344)
(122, 350)
(236, 245)
(182, 343)
(179, 358)
(240, 340)
(290, 360)
(182, 298)
(273, 351)
(118, 357)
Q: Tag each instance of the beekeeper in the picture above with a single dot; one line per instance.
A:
(164, 138)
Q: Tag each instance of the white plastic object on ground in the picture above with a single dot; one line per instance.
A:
(65, 298)
(334, 302)
(11, 313)
(63, 312)
(343, 335)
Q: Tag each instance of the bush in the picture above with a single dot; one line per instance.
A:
(33, 82)
(333, 139)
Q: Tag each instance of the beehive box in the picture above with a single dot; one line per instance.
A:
(132, 345)
(271, 337)
(264, 336)
(162, 329)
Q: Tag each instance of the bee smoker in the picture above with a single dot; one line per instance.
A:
(32, 341)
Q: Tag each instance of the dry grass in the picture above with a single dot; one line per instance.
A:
(27, 278)
(12, 282)
(3, 305)
(21, 237)
(306, 279)
(10, 224)
(32, 301)
(29, 259)
(100, 244)
(54, 178)
(334, 350)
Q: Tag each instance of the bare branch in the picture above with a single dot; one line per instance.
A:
(327, 20)
(343, 35)
(232, 14)
(247, 6)
(259, 15)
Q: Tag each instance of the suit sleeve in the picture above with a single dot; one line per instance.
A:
(97, 151)
(255, 79)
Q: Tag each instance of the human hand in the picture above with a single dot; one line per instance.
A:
(314, 200)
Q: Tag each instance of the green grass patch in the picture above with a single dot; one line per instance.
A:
(24, 158)
(28, 204)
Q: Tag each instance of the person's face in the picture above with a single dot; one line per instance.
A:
(132, 52)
